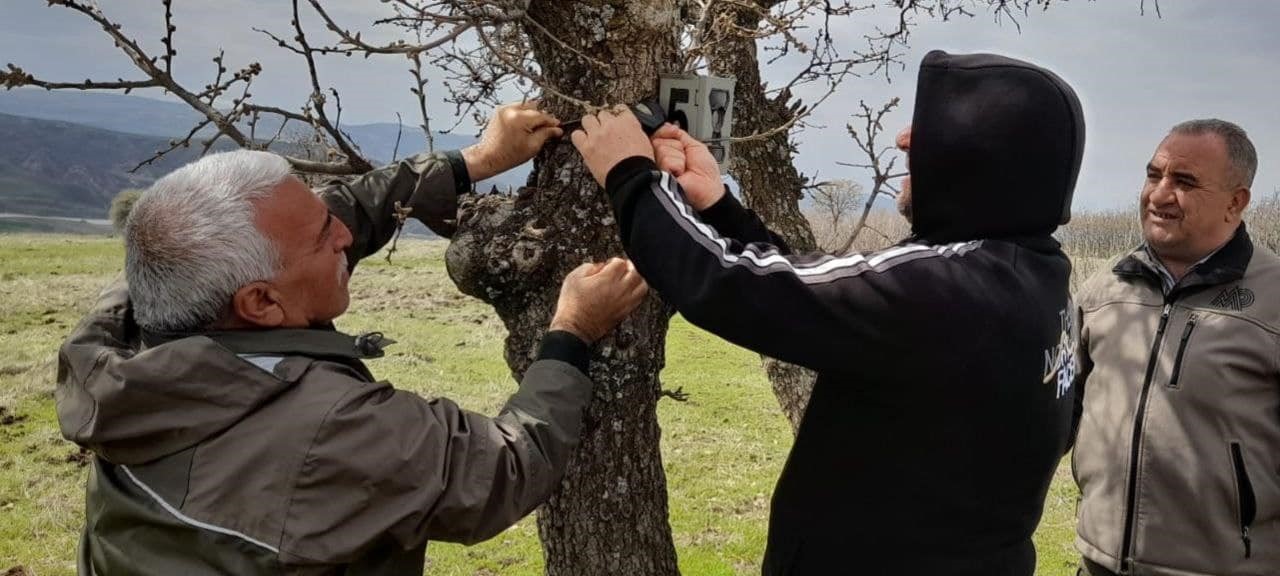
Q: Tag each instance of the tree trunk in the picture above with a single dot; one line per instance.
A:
(765, 172)
(610, 514)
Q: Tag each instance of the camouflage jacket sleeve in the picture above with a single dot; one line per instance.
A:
(429, 184)
(388, 464)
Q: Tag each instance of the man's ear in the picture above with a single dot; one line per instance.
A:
(1239, 201)
(257, 304)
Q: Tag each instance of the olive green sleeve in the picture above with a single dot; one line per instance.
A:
(429, 184)
(388, 463)
(107, 326)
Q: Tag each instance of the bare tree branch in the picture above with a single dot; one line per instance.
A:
(16, 77)
(419, 89)
(355, 44)
(865, 137)
(158, 71)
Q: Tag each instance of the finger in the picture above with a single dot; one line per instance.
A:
(667, 131)
(587, 270)
(616, 263)
(670, 161)
(668, 145)
(545, 133)
(533, 113)
(636, 295)
(532, 104)
(615, 269)
(531, 120)
(689, 141)
(633, 275)
(640, 291)
(590, 123)
(579, 138)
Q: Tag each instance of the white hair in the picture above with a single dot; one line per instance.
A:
(191, 242)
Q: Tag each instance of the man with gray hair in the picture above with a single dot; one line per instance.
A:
(235, 431)
(1178, 409)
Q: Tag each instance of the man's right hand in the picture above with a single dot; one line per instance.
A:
(595, 297)
(691, 163)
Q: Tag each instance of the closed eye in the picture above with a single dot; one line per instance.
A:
(323, 239)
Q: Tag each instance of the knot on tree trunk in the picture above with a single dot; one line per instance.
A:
(501, 249)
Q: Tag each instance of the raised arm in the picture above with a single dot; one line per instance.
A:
(430, 184)
(390, 463)
(699, 177)
(821, 312)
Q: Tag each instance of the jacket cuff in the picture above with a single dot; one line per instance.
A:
(622, 187)
(565, 347)
(461, 176)
(726, 212)
(625, 170)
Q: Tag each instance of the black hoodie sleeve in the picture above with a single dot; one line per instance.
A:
(821, 312)
(733, 220)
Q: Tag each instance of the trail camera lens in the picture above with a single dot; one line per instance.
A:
(718, 99)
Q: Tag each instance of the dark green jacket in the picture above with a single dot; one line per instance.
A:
(277, 452)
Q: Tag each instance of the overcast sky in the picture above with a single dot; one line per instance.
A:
(1137, 75)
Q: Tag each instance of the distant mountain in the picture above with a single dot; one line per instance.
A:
(69, 153)
(50, 168)
(109, 111)
(152, 117)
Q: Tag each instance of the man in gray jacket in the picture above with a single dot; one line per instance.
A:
(1178, 451)
(236, 432)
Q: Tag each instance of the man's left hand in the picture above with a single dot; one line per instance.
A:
(608, 138)
(515, 134)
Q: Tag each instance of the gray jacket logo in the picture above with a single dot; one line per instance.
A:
(1234, 299)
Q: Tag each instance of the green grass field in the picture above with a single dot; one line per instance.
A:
(722, 449)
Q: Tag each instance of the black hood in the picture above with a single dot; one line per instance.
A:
(996, 145)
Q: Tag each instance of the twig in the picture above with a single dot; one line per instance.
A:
(419, 89)
(679, 395)
(401, 215)
(395, 152)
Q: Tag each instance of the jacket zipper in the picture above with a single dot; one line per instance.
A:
(1247, 500)
(1132, 492)
(1182, 350)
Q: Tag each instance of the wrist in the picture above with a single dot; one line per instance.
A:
(572, 327)
(565, 347)
(479, 161)
(707, 200)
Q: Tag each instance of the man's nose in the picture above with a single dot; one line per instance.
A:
(1162, 194)
(903, 141)
(343, 238)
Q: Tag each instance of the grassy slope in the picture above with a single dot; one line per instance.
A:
(722, 449)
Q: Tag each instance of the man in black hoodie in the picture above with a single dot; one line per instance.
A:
(943, 402)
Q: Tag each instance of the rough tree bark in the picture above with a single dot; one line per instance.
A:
(764, 170)
(610, 514)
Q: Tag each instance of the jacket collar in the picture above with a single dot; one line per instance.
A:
(312, 342)
(1228, 264)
